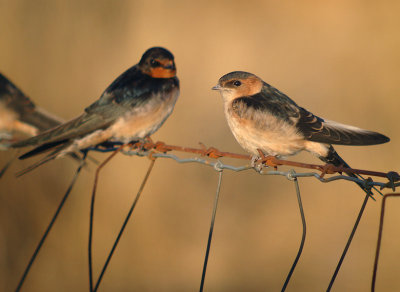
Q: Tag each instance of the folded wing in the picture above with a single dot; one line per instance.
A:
(324, 131)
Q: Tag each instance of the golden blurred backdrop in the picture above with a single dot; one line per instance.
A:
(339, 59)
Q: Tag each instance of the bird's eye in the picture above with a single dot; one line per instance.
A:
(154, 63)
(237, 83)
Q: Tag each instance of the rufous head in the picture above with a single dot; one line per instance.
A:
(238, 84)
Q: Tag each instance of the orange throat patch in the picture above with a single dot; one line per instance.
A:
(160, 72)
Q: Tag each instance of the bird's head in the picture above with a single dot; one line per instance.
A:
(158, 62)
(238, 84)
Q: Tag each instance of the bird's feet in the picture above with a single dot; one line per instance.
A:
(141, 146)
(256, 163)
(260, 161)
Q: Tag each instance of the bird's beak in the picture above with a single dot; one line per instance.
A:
(217, 87)
(170, 67)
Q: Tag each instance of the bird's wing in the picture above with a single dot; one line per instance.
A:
(41, 120)
(14, 98)
(26, 111)
(78, 127)
(273, 102)
(56, 150)
(129, 90)
(324, 131)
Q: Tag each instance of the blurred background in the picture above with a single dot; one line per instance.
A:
(339, 59)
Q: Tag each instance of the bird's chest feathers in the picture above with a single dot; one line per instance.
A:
(255, 129)
(143, 120)
(242, 119)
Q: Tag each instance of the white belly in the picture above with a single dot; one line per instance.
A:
(272, 138)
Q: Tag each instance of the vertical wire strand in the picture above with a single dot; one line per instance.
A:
(303, 237)
(353, 231)
(124, 225)
(203, 275)
(96, 178)
(53, 220)
(374, 188)
(7, 165)
(379, 242)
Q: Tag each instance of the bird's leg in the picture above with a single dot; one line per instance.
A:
(258, 161)
(143, 142)
(107, 146)
(148, 139)
(147, 144)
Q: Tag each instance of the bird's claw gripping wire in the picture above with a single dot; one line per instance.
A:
(269, 160)
(256, 163)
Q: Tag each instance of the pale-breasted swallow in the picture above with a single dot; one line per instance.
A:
(262, 117)
(20, 118)
(133, 107)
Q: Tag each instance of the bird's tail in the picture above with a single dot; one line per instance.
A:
(47, 158)
(334, 158)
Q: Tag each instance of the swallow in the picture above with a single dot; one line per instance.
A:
(20, 118)
(263, 118)
(132, 107)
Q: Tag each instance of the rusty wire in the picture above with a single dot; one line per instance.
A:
(266, 160)
(161, 149)
(270, 161)
(142, 148)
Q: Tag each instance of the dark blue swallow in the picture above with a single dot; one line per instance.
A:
(132, 108)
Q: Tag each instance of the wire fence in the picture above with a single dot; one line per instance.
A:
(210, 157)
(161, 150)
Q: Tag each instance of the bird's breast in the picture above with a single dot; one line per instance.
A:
(144, 120)
(261, 130)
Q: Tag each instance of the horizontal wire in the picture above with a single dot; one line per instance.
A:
(217, 165)
(211, 152)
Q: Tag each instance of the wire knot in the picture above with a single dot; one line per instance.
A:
(213, 153)
(291, 175)
(327, 169)
(218, 166)
(392, 177)
(160, 147)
